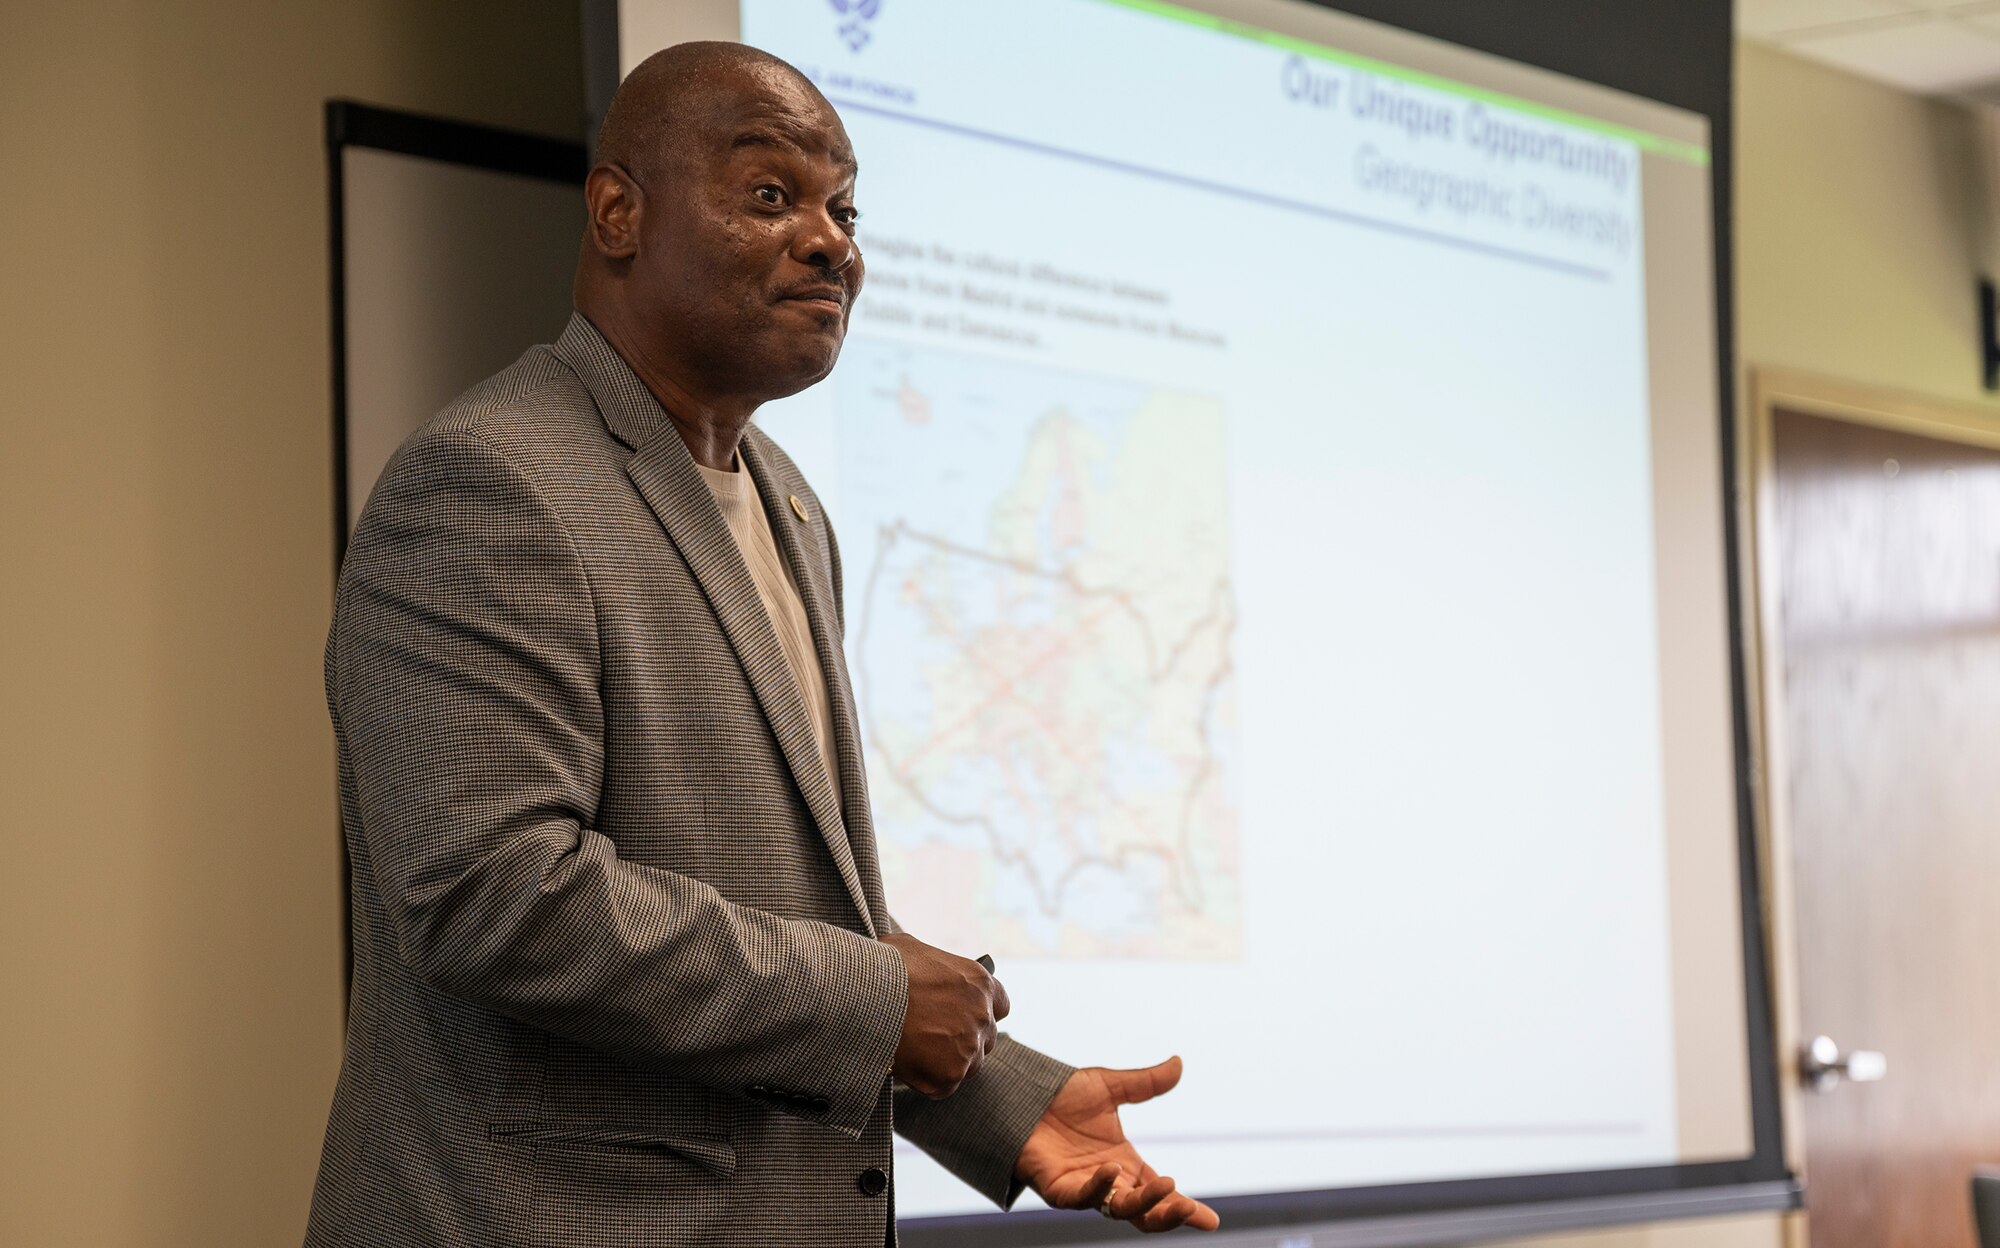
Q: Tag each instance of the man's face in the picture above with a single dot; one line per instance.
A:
(747, 241)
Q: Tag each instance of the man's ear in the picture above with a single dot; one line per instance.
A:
(615, 202)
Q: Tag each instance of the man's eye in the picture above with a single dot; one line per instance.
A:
(847, 216)
(770, 194)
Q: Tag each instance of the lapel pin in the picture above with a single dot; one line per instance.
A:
(798, 508)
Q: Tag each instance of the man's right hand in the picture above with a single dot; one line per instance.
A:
(952, 1021)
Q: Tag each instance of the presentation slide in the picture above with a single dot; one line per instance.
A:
(1274, 464)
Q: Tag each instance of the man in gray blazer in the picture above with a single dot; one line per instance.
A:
(623, 970)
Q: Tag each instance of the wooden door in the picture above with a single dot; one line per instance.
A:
(1887, 566)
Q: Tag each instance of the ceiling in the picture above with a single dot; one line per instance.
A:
(1933, 47)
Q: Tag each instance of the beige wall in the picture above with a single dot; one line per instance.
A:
(169, 924)
(1854, 234)
(169, 929)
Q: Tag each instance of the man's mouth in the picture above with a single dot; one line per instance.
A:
(828, 298)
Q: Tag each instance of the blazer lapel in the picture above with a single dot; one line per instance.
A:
(665, 475)
(800, 548)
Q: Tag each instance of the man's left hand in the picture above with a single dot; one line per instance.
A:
(1078, 1154)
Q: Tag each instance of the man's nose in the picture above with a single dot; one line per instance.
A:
(824, 245)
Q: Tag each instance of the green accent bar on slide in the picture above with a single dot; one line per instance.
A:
(1646, 140)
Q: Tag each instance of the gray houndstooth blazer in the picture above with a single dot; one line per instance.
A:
(616, 979)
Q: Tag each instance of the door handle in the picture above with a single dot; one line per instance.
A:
(1822, 1064)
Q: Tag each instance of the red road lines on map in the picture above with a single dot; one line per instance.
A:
(1006, 688)
(1005, 685)
(1004, 691)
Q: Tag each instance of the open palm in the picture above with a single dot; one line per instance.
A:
(1078, 1154)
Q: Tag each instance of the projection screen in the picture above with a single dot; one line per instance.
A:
(1278, 471)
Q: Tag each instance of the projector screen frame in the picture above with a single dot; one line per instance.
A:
(353, 124)
(1683, 60)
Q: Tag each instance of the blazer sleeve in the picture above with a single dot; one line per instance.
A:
(978, 1131)
(463, 678)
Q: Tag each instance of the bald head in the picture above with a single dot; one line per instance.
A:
(719, 255)
(681, 100)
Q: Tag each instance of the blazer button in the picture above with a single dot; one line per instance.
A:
(872, 1181)
(821, 1105)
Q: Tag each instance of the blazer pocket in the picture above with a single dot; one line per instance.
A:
(713, 1153)
(589, 1099)
(607, 1192)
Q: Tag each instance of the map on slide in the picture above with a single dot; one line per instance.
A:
(1039, 621)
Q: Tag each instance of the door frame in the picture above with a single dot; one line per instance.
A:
(1878, 407)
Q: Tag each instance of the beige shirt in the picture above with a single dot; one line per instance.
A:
(743, 510)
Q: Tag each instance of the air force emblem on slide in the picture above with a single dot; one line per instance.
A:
(854, 18)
